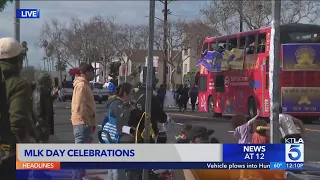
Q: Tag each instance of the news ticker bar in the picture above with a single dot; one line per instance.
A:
(165, 153)
(158, 165)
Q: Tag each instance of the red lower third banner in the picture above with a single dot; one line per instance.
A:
(37, 165)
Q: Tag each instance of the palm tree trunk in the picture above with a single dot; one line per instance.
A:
(48, 64)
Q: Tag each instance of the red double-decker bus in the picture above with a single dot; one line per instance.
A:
(245, 90)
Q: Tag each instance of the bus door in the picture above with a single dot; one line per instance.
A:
(219, 95)
(203, 93)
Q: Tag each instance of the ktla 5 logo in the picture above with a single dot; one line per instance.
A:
(294, 152)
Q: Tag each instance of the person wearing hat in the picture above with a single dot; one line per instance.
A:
(83, 110)
(43, 107)
(15, 96)
(199, 134)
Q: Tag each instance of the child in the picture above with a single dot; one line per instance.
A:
(260, 135)
(243, 128)
(182, 138)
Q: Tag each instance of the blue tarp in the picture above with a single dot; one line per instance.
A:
(207, 61)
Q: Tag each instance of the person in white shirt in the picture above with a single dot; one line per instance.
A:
(288, 127)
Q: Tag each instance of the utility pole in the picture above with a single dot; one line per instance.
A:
(16, 21)
(149, 80)
(274, 74)
(165, 41)
(241, 15)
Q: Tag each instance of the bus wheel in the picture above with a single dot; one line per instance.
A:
(210, 105)
(252, 108)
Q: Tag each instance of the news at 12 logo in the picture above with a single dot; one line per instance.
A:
(28, 13)
(294, 150)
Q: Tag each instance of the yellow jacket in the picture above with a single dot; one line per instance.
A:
(83, 106)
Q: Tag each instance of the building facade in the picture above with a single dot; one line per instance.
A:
(131, 68)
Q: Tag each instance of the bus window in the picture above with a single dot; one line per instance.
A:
(267, 81)
(203, 83)
(251, 42)
(232, 43)
(219, 85)
(204, 49)
(300, 37)
(267, 64)
(261, 43)
(242, 43)
(218, 46)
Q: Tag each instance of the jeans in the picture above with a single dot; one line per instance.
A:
(82, 134)
(112, 174)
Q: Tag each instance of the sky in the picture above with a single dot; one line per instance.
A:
(126, 12)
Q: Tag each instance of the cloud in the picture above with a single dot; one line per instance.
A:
(127, 12)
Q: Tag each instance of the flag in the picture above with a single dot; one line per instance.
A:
(211, 61)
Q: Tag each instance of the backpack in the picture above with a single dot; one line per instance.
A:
(109, 133)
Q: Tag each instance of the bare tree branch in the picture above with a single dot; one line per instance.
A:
(256, 14)
(182, 36)
(54, 33)
(127, 40)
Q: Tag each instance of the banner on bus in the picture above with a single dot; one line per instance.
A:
(215, 61)
(235, 57)
(209, 61)
(301, 99)
(301, 57)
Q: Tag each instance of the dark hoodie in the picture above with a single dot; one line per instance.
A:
(157, 113)
(18, 95)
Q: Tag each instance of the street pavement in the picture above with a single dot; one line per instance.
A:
(222, 127)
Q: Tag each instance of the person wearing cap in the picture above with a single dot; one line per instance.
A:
(43, 107)
(199, 134)
(15, 96)
(83, 110)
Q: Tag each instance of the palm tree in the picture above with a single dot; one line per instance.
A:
(25, 52)
(3, 4)
(44, 63)
(61, 66)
